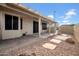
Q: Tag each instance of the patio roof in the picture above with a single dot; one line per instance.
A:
(24, 9)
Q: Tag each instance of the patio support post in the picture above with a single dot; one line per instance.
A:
(19, 23)
(55, 26)
(39, 26)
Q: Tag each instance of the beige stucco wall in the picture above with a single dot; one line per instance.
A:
(76, 32)
(27, 25)
(66, 29)
(6, 34)
(0, 25)
(42, 31)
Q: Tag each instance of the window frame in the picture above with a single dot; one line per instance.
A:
(21, 23)
(6, 23)
(44, 26)
(15, 27)
(12, 24)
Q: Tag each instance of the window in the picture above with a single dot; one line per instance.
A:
(8, 22)
(21, 23)
(11, 22)
(44, 26)
(15, 23)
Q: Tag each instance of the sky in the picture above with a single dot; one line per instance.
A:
(63, 13)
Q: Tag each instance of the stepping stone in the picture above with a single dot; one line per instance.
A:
(49, 46)
(61, 37)
(55, 41)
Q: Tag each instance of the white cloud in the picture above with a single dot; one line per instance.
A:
(51, 16)
(69, 14)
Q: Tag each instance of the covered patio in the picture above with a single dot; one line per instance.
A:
(17, 21)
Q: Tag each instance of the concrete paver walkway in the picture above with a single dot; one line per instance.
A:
(56, 39)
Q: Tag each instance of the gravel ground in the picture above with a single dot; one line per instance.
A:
(36, 49)
(62, 49)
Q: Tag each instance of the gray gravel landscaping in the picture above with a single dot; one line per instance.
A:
(35, 48)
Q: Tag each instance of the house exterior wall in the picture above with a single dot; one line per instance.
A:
(76, 32)
(6, 34)
(27, 26)
(0, 25)
(42, 31)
